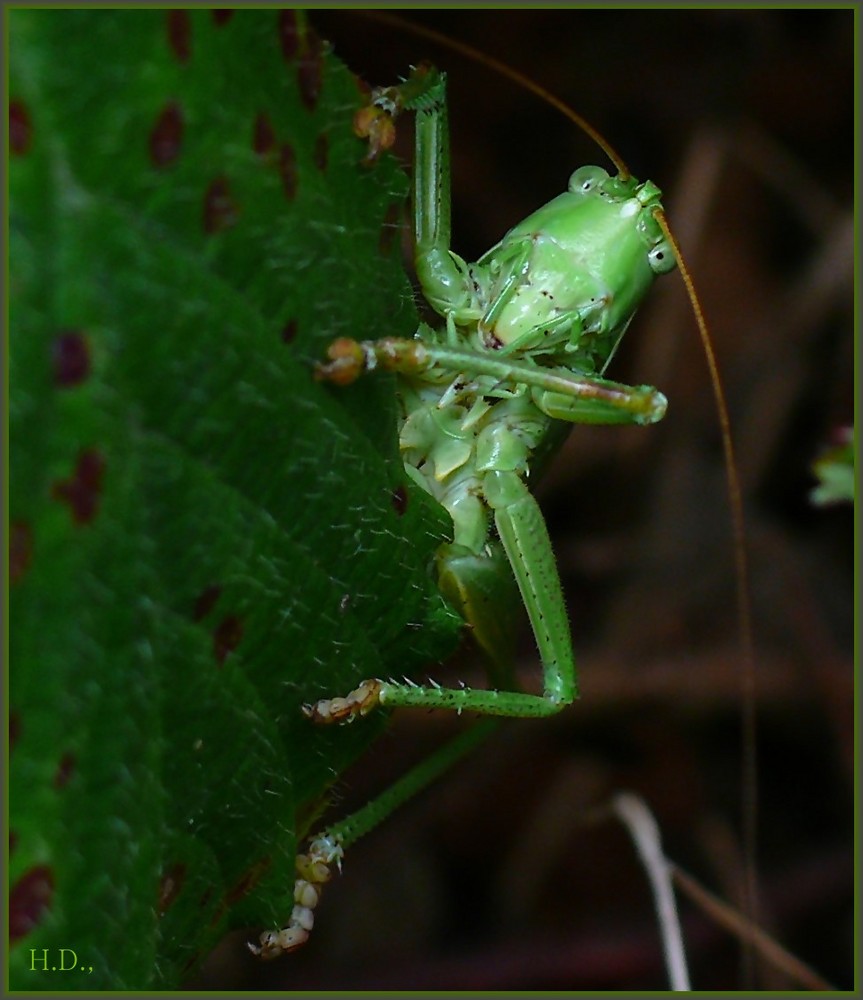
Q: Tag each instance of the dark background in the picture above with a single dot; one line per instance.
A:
(497, 878)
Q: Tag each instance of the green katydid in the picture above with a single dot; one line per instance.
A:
(528, 333)
(521, 350)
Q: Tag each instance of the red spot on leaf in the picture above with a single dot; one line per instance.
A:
(247, 881)
(222, 15)
(20, 127)
(289, 37)
(226, 637)
(20, 549)
(289, 331)
(399, 500)
(29, 901)
(220, 209)
(166, 136)
(219, 911)
(288, 170)
(310, 72)
(65, 770)
(206, 601)
(170, 885)
(264, 137)
(82, 490)
(321, 152)
(70, 355)
(306, 47)
(180, 34)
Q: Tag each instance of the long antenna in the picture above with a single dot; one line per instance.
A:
(741, 560)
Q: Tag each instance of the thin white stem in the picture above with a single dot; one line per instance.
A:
(642, 827)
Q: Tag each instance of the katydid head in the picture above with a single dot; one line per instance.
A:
(618, 215)
(637, 202)
(584, 261)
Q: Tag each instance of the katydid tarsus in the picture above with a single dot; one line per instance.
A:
(521, 349)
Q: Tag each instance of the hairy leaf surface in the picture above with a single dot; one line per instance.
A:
(202, 536)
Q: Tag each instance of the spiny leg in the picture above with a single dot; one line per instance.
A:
(558, 392)
(375, 120)
(525, 540)
(314, 869)
(444, 278)
(318, 863)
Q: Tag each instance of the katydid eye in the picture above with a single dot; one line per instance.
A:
(661, 258)
(587, 179)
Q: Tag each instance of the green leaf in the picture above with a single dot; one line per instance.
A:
(203, 538)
